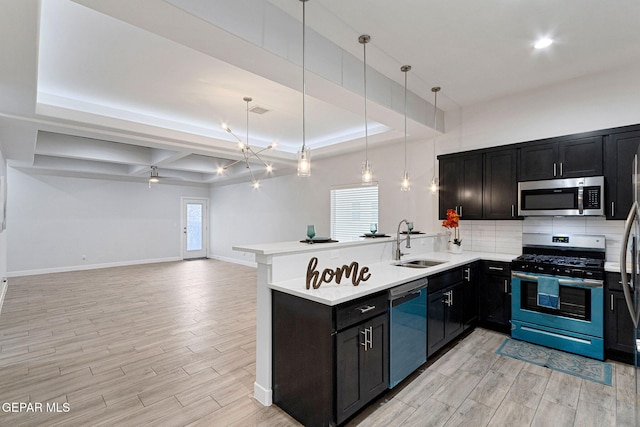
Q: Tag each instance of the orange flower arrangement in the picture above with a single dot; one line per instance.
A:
(452, 221)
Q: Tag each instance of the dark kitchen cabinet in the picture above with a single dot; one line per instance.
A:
(618, 326)
(461, 185)
(328, 361)
(495, 295)
(561, 158)
(471, 276)
(446, 308)
(619, 150)
(500, 196)
(362, 365)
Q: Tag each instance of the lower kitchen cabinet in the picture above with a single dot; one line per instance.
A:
(328, 361)
(362, 365)
(495, 296)
(452, 305)
(618, 326)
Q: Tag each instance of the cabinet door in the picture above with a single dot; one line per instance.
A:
(496, 302)
(500, 195)
(537, 162)
(470, 294)
(449, 186)
(436, 333)
(580, 157)
(619, 151)
(618, 327)
(471, 187)
(454, 323)
(362, 370)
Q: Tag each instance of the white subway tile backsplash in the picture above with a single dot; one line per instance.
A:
(506, 236)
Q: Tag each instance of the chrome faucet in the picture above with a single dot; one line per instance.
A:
(397, 254)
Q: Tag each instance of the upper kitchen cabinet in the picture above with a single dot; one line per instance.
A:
(500, 197)
(461, 185)
(619, 152)
(572, 158)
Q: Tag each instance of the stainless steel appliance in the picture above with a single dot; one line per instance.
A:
(630, 271)
(557, 293)
(407, 330)
(562, 197)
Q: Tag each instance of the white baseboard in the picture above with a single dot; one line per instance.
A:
(262, 395)
(89, 267)
(3, 291)
(235, 261)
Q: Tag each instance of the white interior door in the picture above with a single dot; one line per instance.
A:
(195, 227)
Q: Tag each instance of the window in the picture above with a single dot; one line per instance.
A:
(353, 210)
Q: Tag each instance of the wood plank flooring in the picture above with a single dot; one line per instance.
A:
(173, 344)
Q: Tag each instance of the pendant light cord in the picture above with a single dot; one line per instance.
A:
(405, 118)
(304, 80)
(366, 126)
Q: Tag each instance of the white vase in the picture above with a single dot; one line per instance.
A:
(455, 249)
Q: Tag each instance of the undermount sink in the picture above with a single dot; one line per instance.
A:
(419, 263)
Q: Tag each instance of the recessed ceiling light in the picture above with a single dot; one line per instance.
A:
(543, 42)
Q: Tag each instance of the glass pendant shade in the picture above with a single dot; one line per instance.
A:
(434, 185)
(304, 162)
(367, 175)
(406, 184)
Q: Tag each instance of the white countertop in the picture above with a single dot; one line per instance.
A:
(281, 248)
(384, 275)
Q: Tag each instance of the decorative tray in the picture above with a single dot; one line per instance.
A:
(374, 235)
(319, 240)
(413, 232)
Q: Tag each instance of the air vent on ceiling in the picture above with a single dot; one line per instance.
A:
(258, 110)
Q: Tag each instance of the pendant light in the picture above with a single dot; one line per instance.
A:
(153, 177)
(405, 184)
(367, 175)
(434, 180)
(247, 151)
(304, 154)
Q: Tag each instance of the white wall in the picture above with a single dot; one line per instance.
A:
(282, 208)
(3, 237)
(54, 221)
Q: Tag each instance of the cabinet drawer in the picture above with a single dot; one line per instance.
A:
(442, 280)
(613, 281)
(496, 268)
(350, 313)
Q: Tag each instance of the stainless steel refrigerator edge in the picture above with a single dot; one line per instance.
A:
(630, 241)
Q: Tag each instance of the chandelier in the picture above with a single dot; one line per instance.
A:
(247, 151)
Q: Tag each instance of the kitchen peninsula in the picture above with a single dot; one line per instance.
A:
(282, 267)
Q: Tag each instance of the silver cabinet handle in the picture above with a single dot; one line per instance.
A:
(506, 287)
(513, 211)
(370, 337)
(561, 173)
(468, 276)
(554, 169)
(496, 268)
(460, 211)
(451, 295)
(367, 308)
(364, 341)
(611, 302)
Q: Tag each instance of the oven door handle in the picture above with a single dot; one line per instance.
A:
(587, 283)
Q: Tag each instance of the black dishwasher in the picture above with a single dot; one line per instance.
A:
(408, 329)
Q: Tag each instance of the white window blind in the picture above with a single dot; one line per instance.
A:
(353, 210)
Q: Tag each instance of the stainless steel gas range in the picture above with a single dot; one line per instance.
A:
(557, 292)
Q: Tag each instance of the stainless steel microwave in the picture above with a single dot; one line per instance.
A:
(562, 197)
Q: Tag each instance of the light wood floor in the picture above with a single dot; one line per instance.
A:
(173, 344)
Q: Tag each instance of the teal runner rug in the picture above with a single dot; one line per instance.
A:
(583, 367)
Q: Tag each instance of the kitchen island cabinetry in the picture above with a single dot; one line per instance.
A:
(495, 296)
(619, 152)
(561, 158)
(330, 361)
(618, 327)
